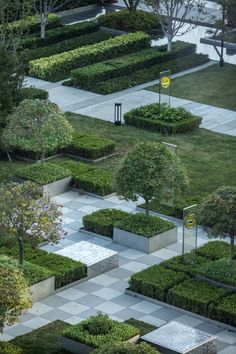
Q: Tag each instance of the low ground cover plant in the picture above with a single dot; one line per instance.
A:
(144, 225)
(102, 221)
(167, 120)
(99, 330)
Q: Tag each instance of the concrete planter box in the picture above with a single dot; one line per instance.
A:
(58, 187)
(142, 243)
(43, 289)
(79, 348)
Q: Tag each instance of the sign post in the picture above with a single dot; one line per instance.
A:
(189, 222)
(164, 87)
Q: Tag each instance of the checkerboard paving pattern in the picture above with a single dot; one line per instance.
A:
(106, 292)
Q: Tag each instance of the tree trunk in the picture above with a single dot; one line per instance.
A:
(146, 206)
(169, 45)
(21, 251)
(42, 152)
(231, 250)
(43, 27)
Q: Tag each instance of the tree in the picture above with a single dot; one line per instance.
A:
(37, 125)
(150, 171)
(132, 5)
(172, 15)
(218, 215)
(27, 215)
(14, 292)
(230, 6)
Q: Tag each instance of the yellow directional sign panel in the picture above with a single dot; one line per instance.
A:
(190, 221)
(165, 82)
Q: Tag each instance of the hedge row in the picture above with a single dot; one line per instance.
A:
(225, 310)
(163, 119)
(215, 250)
(33, 93)
(102, 221)
(66, 45)
(88, 76)
(59, 34)
(90, 146)
(34, 273)
(148, 74)
(46, 68)
(219, 271)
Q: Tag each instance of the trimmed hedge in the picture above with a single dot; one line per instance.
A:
(148, 74)
(33, 93)
(155, 281)
(47, 68)
(196, 296)
(66, 45)
(8, 348)
(42, 174)
(59, 34)
(102, 221)
(88, 76)
(126, 348)
(225, 310)
(90, 146)
(215, 250)
(144, 225)
(163, 119)
(99, 330)
(220, 271)
(34, 273)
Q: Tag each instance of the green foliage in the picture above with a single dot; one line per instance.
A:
(34, 273)
(161, 118)
(196, 296)
(109, 331)
(90, 146)
(225, 310)
(143, 327)
(88, 76)
(126, 348)
(147, 171)
(148, 74)
(47, 68)
(214, 250)
(220, 271)
(190, 265)
(33, 93)
(155, 281)
(8, 348)
(42, 174)
(124, 20)
(102, 221)
(144, 225)
(59, 34)
(66, 45)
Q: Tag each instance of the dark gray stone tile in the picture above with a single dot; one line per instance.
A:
(54, 301)
(56, 315)
(90, 300)
(126, 300)
(166, 314)
(209, 328)
(129, 313)
(119, 273)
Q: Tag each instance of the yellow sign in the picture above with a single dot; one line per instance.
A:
(190, 221)
(165, 82)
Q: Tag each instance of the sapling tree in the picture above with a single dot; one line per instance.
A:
(172, 15)
(14, 292)
(218, 215)
(28, 215)
(39, 126)
(149, 171)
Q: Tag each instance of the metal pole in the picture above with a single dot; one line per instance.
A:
(222, 37)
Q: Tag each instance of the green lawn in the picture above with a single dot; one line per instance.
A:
(214, 86)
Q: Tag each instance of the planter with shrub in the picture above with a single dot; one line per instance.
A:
(126, 348)
(145, 233)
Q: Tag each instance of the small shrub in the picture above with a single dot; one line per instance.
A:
(100, 325)
(143, 327)
(102, 221)
(219, 271)
(33, 93)
(126, 348)
(144, 225)
(155, 281)
(8, 348)
(42, 174)
(225, 310)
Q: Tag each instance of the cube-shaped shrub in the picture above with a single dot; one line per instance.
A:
(225, 310)
(219, 271)
(215, 250)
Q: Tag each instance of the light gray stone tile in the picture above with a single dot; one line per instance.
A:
(103, 280)
(36, 322)
(73, 308)
(145, 307)
(71, 294)
(153, 320)
(109, 307)
(39, 309)
(106, 293)
(134, 266)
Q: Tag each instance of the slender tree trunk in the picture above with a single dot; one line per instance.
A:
(43, 28)
(21, 251)
(231, 250)
(169, 45)
(147, 206)
(42, 152)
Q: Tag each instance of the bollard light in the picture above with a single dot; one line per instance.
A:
(117, 113)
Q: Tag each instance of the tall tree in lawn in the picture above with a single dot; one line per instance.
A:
(150, 171)
(172, 15)
(14, 292)
(28, 215)
(218, 215)
(39, 126)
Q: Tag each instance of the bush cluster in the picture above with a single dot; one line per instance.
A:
(144, 225)
(90, 146)
(59, 34)
(102, 221)
(219, 271)
(163, 119)
(148, 74)
(42, 174)
(100, 330)
(155, 281)
(33, 93)
(190, 265)
(130, 22)
(47, 68)
(215, 250)
(8, 348)
(126, 348)
(88, 76)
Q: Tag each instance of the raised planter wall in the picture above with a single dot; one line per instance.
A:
(142, 243)
(42, 289)
(58, 187)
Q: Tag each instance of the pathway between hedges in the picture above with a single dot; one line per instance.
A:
(106, 292)
(102, 107)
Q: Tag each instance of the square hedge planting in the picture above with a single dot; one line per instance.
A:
(155, 281)
(163, 119)
(99, 330)
(215, 250)
(102, 221)
(225, 310)
(220, 271)
(90, 146)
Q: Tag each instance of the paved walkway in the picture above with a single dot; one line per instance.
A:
(106, 292)
(102, 107)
